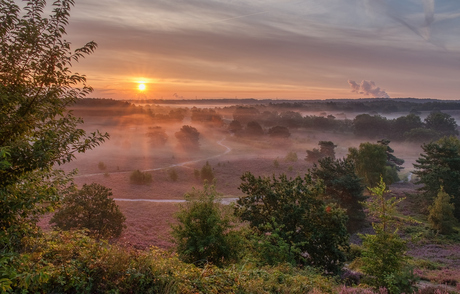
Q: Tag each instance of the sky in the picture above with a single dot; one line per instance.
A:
(269, 49)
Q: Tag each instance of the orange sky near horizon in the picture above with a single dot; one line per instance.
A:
(270, 49)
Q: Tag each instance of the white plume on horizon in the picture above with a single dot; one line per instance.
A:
(367, 88)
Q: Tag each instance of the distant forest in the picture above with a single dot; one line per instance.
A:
(275, 119)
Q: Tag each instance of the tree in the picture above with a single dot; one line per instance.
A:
(404, 124)
(441, 215)
(371, 126)
(326, 150)
(204, 232)
(188, 137)
(37, 131)
(235, 127)
(384, 254)
(311, 232)
(254, 129)
(279, 132)
(245, 114)
(438, 166)
(370, 162)
(342, 186)
(157, 136)
(93, 209)
(442, 123)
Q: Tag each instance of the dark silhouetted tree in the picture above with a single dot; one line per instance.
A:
(327, 149)
(188, 138)
(253, 129)
(442, 123)
(235, 127)
(157, 136)
(91, 208)
(279, 132)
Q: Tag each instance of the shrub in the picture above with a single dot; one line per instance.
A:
(206, 173)
(441, 215)
(291, 157)
(101, 165)
(276, 163)
(204, 232)
(140, 178)
(290, 216)
(93, 209)
(172, 173)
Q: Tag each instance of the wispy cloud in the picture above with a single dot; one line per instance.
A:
(302, 45)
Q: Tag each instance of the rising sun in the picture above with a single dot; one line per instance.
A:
(141, 87)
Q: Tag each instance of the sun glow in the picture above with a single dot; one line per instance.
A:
(141, 87)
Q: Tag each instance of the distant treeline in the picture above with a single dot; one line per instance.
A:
(277, 120)
(379, 105)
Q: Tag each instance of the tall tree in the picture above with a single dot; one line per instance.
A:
(37, 131)
(342, 186)
(438, 166)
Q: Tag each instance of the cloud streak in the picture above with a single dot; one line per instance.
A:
(367, 88)
(269, 46)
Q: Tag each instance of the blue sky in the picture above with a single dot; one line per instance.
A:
(298, 49)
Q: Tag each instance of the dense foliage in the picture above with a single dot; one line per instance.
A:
(188, 138)
(301, 227)
(327, 149)
(91, 208)
(438, 166)
(373, 161)
(204, 231)
(384, 253)
(37, 133)
(441, 215)
(342, 186)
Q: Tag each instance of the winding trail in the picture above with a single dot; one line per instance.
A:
(227, 150)
(224, 201)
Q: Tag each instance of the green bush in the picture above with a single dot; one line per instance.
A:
(276, 163)
(291, 217)
(441, 215)
(384, 258)
(70, 262)
(140, 178)
(93, 209)
(204, 232)
(291, 157)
